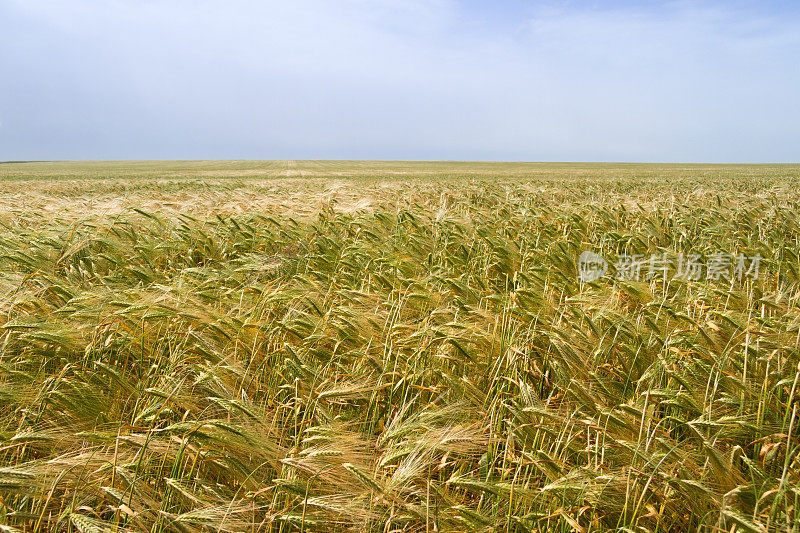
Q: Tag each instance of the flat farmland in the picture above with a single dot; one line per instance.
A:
(398, 346)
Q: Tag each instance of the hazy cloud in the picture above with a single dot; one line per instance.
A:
(399, 79)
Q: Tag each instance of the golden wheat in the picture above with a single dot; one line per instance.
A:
(345, 346)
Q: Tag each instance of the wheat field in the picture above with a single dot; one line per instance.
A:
(395, 346)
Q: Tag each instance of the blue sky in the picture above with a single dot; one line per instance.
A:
(400, 79)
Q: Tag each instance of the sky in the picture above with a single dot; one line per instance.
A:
(400, 79)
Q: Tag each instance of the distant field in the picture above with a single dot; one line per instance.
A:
(303, 187)
(398, 346)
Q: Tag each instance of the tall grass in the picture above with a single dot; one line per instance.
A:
(428, 363)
